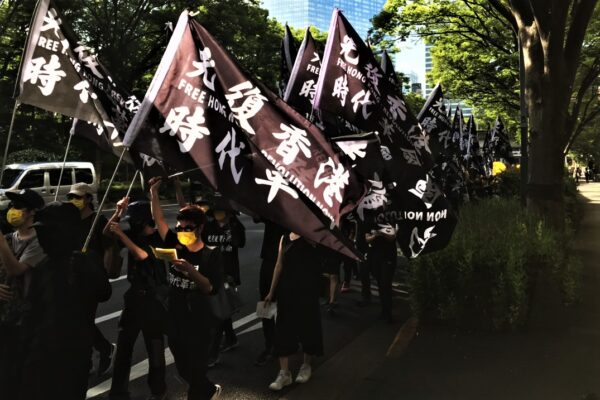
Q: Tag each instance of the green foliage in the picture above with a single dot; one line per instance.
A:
(32, 155)
(415, 102)
(483, 279)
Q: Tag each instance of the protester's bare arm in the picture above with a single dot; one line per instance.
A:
(13, 266)
(138, 253)
(157, 212)
(276, 273)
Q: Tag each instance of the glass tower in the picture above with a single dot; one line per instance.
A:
(302, 13)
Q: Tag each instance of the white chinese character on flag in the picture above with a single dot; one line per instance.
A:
(276, 182)
(202, 67)
(84, 91)
(51, 21)
(252, 103)
(335, 179)
(48, 74)
(308, 89)
(340, 89)
(233, 152)
(86, 56)
(373, 75)
(397, 107)
(294, 140)
(363, 99)
(188, 126)
(348, 46)
(410, 156)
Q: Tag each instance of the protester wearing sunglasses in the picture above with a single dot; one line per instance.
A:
(195, 275)
(20, 251)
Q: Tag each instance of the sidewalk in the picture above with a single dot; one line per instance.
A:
(556, 357)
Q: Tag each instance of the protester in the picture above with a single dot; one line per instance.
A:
(81, 196)
(295, 287)
(227, 234)
(331, 262)
(381, 258)
(195, 275)
(65, 290)
(268, 253)
(20, 252)
(144, 308)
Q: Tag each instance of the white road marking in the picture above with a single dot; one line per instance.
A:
(141, 369)
(107, 317)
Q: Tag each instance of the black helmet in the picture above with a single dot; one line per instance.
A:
(139, 212)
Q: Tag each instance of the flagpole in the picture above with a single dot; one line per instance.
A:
(137, 172)
(182, 173)
(62, 168)
(112, 178)
(10, 129)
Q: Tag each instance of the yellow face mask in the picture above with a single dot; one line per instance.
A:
(186, 238)
(79, 203)
(15, 217)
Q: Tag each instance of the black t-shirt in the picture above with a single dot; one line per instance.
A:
(99, 243)
(272, 237)
(207, 260)
(227, 238)
(150, 273)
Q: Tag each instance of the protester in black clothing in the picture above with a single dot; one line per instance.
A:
(64, 294)
(193, 277)
(82, 197)
(144, 302)
(295, 287)
(20, 253)
(268, 253)
(227, 234)
(381, 260)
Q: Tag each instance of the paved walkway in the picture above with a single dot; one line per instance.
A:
(556, 357)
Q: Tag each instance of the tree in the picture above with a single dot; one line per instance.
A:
(561, 69)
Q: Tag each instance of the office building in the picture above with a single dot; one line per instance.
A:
(302, 13)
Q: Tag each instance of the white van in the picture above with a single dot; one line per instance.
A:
(43, 178)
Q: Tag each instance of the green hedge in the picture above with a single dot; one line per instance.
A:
(483, 280)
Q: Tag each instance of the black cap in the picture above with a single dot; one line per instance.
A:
(57, 214)
(30, 198)
(139, 212)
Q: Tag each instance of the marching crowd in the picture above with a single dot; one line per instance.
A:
(50, 286)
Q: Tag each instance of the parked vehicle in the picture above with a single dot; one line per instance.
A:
(43, 178)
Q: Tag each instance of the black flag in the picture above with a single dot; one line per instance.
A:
(289, 49)
(352, 85)
(302, 85)
(57, 70)
(197, 117)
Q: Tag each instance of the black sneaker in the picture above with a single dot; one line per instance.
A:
(263, 358)
(106, 360)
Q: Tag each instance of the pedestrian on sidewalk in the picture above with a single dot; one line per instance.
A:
(269, 252)
(295, 287)
(20, 253)
(227, 234)
(81, 196)
(195, 275)
(144, 308)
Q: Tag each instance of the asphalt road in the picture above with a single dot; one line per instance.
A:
(236, 371)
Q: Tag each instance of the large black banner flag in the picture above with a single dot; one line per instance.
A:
(458, 129)
(57, 70)
(473, 154)
(301, 88)
(198, 118)
(352, 86)
(289, 49)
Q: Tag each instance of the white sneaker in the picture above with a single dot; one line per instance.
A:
(304, 373)
(217, 394)
(284, 378)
